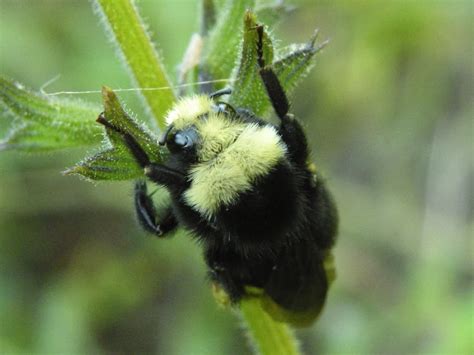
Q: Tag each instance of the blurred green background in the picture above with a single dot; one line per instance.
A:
(388, 111)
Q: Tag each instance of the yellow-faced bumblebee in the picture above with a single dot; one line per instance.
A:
(246, 190)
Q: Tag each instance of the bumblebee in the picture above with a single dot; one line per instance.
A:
(246, 190)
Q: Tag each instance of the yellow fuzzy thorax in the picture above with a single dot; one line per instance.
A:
(232, 155)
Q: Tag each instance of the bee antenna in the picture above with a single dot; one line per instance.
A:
(221, 92)
(228, 106)
(164, 136)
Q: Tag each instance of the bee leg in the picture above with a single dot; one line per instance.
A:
(157, 173)
(137, 151)
(222, 277)
(270, 80)
(295, 139)
(290, 129)
(224, 270)
(146, 213)
(163, 175)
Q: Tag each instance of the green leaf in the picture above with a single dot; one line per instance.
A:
(222, 46)
(296, 61)
(43, 123)
(115, 161)
(271, 14)
(128, 31)
(109, 164)
(116, 115)
(248, 90)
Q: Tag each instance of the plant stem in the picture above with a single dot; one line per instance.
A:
(125, 25)
(266, 335)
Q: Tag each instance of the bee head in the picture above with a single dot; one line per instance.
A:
(223, 153)
(201, 127)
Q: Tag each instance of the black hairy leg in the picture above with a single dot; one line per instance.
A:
(163, 175)
(223, 277)
(295, 139)
(290, 130)
(146, 212)
(157, 173)
(270, 80)
(232, 270)
(137, 151)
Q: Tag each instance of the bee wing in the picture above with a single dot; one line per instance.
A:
(298, 284)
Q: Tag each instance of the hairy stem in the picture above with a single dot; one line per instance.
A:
(266, 335)
(125, 25)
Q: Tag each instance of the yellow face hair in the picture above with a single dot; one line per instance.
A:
(188, 110)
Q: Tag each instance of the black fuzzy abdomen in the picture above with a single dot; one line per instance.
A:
(244, 240)
(266, 212)
(274, 237)
(321, 219)
(299, 281)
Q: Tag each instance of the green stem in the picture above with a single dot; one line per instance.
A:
(124, 23)
(268, 336)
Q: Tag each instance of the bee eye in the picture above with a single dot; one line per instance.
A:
(181, 141)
